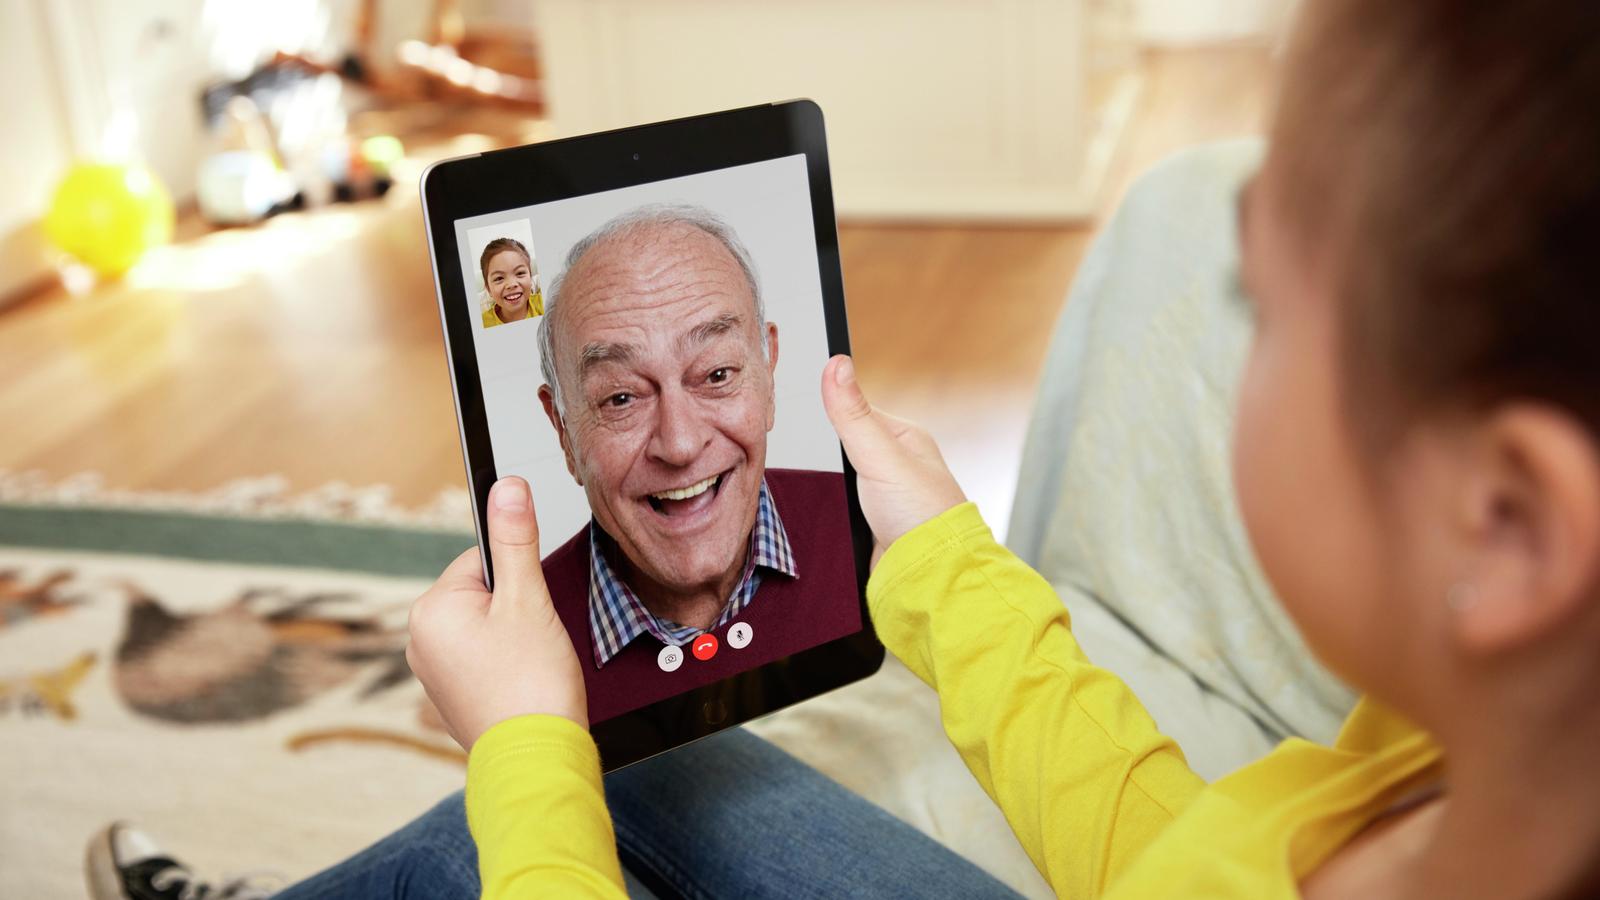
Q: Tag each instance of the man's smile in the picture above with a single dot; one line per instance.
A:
(680, 502)
(685, 493)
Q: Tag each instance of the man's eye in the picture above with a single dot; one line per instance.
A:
(720, 376)
(616, 401)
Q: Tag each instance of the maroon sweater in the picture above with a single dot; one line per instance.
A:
(786, 615)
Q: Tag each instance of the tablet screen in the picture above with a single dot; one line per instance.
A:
(650, 360)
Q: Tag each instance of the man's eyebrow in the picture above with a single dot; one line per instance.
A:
(596, 354)
(709, 329)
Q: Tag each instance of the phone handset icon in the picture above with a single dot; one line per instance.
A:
(704, 646)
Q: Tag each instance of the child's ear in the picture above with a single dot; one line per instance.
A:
(1533, 513)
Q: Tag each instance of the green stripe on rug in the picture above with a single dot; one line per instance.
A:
(380, 549)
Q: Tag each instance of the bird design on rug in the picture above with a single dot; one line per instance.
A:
(266, 651)
(47, 692)
(23, 600)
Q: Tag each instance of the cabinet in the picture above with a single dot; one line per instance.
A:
(935, 109)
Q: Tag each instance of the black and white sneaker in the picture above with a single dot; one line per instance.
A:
(124, 863)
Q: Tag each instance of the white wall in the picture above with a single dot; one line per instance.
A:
(96, 78)
(936, 109)
(68, 65)
(128, 75)
(1177, 22)
(36, 146)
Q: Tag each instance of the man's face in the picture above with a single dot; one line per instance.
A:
(668, 400)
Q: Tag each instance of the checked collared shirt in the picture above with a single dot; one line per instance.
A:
(616, 615)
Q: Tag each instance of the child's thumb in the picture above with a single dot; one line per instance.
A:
(514, 541)
(862, 431)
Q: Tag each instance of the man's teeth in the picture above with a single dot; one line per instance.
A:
(684, 493)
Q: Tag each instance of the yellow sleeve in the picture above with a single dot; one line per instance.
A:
(1063, 747)
(537, 811)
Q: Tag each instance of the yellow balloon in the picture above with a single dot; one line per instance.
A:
(107, 215)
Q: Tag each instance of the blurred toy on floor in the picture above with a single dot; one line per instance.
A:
(107, 214)
(282, 135)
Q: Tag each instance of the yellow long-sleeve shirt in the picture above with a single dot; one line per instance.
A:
(1102, 801)
(491, 316)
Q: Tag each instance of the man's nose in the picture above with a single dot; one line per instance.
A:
(680, 433)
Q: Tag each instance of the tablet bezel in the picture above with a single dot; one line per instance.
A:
(501, 180)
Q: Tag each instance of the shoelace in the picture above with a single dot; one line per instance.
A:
(243, 887)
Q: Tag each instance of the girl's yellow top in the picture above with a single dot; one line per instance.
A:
(491, 316)
(1103, 802)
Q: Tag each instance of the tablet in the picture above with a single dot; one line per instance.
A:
(636, 322)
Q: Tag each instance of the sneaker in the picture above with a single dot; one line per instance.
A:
(124, 863)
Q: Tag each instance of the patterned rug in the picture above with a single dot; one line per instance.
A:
(226, 670)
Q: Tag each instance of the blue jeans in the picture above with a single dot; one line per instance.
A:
(729, 816)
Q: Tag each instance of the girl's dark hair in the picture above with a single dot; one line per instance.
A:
(1444, 157)
(1440, 161)
(495, 248)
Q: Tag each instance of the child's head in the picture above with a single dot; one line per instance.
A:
(507, 275)
(1418, 446)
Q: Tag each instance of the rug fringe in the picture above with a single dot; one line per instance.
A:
(263, 496)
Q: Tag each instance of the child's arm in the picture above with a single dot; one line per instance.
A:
(537, 812)
(1063, 747)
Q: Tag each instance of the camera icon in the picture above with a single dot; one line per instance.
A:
(670, 658)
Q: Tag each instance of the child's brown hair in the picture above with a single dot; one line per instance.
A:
(495, 248)
(1445, 156)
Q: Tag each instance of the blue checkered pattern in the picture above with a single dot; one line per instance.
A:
(616, 616)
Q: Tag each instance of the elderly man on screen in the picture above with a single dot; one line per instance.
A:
(658, 366)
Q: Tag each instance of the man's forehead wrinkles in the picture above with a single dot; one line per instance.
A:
(626, 331)
(643, 301)
(710, 329)
(601, 301)
(651, 269)
(656, 250)
(598, 353)
(680, 277)
(637, 296)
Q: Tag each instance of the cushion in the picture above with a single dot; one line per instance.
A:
(1125, 498)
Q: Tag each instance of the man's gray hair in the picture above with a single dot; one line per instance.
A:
(628, 224)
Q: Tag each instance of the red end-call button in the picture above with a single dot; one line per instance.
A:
(704, 647)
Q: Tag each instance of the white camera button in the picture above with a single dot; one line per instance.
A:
(670, 658)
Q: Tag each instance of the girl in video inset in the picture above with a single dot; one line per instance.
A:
(508, 276)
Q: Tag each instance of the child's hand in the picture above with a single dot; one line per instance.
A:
(483, 657)
(901, 477)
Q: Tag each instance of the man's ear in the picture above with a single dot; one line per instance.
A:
(772, 373)
(547, 399)
(1533, 514)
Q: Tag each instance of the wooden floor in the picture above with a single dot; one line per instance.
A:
(309, 347)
